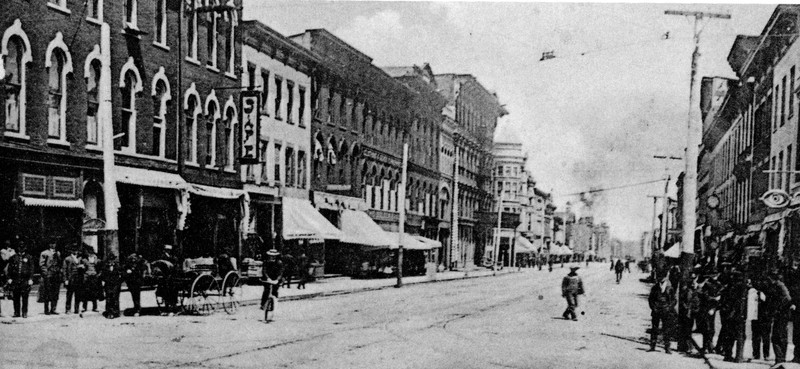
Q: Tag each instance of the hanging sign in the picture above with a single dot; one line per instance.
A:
(250, 127)
(776, 198)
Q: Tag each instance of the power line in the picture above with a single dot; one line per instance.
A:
(614, 188)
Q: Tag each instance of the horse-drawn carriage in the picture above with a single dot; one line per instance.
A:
(199, 286)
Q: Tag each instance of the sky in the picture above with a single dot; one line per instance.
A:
(616, 93)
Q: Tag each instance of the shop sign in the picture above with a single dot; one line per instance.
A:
(93, 225)
(251, 127)
(776, 198)
(338, 187)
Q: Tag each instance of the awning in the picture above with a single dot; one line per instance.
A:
(358, 228)
(302, 222)
(564, 250)
(590, 253)
(429, 242)
(149, 178)
(674, 251)
(409, 242)
(52, 203)
(523, 246)
(216, 192)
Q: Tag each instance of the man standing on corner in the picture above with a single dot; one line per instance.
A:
(662, 305)
(50, 266)
(571, 287)
(20, 278)
(793, 285)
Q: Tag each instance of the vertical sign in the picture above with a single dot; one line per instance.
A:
(251, 127)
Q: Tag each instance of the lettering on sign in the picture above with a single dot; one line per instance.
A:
(250, 127)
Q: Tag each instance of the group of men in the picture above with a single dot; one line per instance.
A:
(768, 305)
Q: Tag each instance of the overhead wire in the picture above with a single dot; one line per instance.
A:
(594, 190)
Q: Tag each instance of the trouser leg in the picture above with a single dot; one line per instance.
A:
(779, 339)
(136, 294)
(70, 295)
(766, 336)
(755, 327)
(16, 296)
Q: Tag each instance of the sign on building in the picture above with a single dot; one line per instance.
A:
(251, 126)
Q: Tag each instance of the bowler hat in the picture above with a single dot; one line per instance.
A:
(273, 252)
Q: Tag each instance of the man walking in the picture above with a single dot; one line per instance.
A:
(760, 322)
(662, 306)
(709, 302)
(793, 285)
(72, 279)
(112, 282)
(20, 278)
(571, 287)
(50, 266)
(618, 269)
(687, 312)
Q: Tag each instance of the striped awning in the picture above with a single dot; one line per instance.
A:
(52, 203)
(149, 178)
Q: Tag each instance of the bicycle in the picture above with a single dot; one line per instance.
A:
(269, 305)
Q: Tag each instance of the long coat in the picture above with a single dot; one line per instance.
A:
(20, 271)
(662, 302)
(50, 265)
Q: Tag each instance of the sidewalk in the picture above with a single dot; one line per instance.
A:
(252, 293)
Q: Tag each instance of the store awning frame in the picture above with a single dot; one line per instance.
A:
(52, 203)
(433, 244)
(359, 229)
(149, 178)
(523, 246)
(301, 221)
(409, 242)
(216, 192)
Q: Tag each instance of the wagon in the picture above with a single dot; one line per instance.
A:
(200, 287)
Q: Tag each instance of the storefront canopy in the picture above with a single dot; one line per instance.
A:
(409, 242)
(52, 203)
(149, 178)
(523, 246)
(564, 250)
(433, 244)
(216, 192)
(302, 222)
(358, 228)
(674, 251)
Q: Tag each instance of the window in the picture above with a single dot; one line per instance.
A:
(128, 126)
(192, 111)
(264, 167)
(289, 165)
(788, 168)
(342, 110)
(211, 40)
(330, 105)
(779, 183)
(278, 93)
(301, 169)
(301, 112)
(230, 129)
(94, 9)
(289, 101)
(191, 33)
(251, 75)
(230, 43)
(791, 91)
(160, 97)
(276, 162)
(772, 175)
(14, 63)
(264, 91)
(130, 13)
(783, 101)
(57, 95)
(92, 102)
(161, 22)
(212, 116)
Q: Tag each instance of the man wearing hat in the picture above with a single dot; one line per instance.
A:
(271, 274)
(781, 301)
(20, 278)
(662, 311)
(72, 278)
(50, 266)
(709, 302)
(571, 287)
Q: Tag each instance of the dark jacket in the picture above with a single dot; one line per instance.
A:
(572, 284)
(793, 285)
(135, 268)
(20, 269)
(272, 270)
(70, 268)
(619, 267)
(50, 264)
(689, 302)
(733, 305)
(662, 302)
(710, 295)
(780, 300)
(111, 275)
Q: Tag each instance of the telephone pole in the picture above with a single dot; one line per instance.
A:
(693, 140)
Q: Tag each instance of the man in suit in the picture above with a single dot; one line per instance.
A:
(662, 310)
(20, 278)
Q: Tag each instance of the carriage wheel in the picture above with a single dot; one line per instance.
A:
(232, 292)
(203, 296)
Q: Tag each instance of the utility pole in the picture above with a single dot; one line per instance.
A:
(402, 220)
(454, 241)
(653, 236)
(111, 232)
(693, 140)
(496, 251)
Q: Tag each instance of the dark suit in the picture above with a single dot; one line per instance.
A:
(662, 306)
(20, 272)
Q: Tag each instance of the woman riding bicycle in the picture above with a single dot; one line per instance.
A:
(271, 274)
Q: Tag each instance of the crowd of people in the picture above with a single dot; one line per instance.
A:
(692, 302)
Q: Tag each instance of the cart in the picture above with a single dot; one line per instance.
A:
(200, 287)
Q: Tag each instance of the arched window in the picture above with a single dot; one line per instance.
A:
(192, 111)
(92, 101)
(160, 97)
(128, 128)
(16, 54)
(212, 116)
(230, 129)
(230, 43)
(57, 96)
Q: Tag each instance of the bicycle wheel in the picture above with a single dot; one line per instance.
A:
(269, 309)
